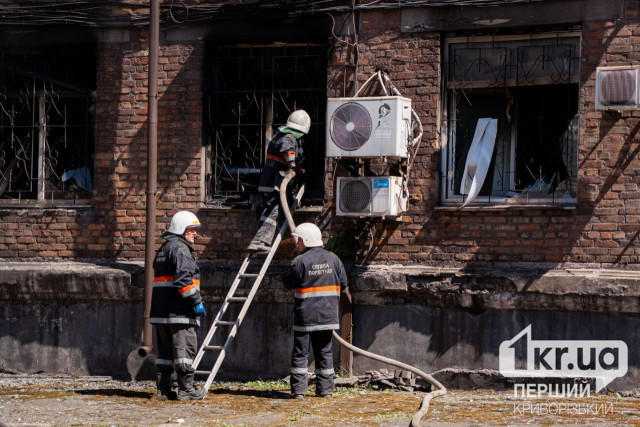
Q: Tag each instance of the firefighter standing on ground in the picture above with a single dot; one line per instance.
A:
(317, 276)
(283, 154)
(176, 307)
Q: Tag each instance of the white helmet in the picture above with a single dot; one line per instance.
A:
(181, 221)
(299, 120)
(309, 233)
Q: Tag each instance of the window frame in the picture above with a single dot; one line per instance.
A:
(267, 124)
(49, 129)
(448, 196)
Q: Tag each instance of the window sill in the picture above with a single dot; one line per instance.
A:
(49, 204)
(506, 207)
(222, 208)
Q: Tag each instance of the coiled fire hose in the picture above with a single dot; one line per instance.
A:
(441, 390)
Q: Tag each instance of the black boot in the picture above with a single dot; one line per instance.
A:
(186, 390)
(163, 384)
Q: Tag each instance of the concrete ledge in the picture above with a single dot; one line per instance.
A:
(116, 281)
(76, 281)
(588, 289)
(474, 289)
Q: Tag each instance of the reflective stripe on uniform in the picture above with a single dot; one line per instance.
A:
(318, 291)
(187, 290)
(164, 362)
(313, 328)
(163, 281)
(167, 282)
(324, 371)
(173, 320)
(298, 370)
(318, 294)
(263, 189)
(183, 361)
(163, 284)
(278, 159)
(290, 156)
(191, 289)
(269, 220)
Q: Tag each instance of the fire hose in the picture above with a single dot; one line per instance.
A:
(440, 389)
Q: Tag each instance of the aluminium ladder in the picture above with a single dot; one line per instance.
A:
(233, 298)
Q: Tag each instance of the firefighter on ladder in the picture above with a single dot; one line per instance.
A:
(317, 276)
(283, 154)
(176, 307)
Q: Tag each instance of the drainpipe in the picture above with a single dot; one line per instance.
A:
(152, 173)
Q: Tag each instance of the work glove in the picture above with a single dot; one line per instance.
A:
(200, 310)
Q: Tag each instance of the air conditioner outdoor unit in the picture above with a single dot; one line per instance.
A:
(370, 196)
(617, 88)
(368, 127)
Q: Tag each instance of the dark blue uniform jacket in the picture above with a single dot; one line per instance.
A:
(317, 276)
(282, 151)
(176, 283)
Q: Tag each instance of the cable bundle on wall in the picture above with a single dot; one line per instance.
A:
(98, 13)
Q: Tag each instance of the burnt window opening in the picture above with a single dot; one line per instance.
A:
(47, 102)
(249, 92)
(530, 85)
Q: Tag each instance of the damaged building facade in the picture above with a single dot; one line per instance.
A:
(549, 240)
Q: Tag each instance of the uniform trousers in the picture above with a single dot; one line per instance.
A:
(271, 216)
(177, 346)
(322, 352)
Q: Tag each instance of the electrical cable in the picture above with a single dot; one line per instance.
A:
(414, 145)
(99, 13)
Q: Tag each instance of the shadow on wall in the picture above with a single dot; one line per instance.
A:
(438, 338)
(178, 145)
(86, 338)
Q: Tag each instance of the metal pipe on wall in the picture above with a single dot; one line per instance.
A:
(152, 173)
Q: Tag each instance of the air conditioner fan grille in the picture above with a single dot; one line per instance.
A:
(354, 196)
(350, 126)
(618, 87)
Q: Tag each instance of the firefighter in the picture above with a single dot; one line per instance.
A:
(317, 276)
(176, 307)
(283, 154)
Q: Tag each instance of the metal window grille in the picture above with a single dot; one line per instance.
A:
(250, 91)
(46, 124)
(530, 86)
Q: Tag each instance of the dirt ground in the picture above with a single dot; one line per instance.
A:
(28, 400)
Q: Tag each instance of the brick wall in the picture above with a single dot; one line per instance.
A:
(121, 130)
(413, 64)
(609, 211)
(114, 227)
(603, 229)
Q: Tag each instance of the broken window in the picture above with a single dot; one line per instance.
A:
(47, 97)
(250, 91)
(529, 85)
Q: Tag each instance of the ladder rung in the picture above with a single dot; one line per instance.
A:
(213, 347)
(249, 275)
(237, 299)
(202, 372)
(225, 322)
